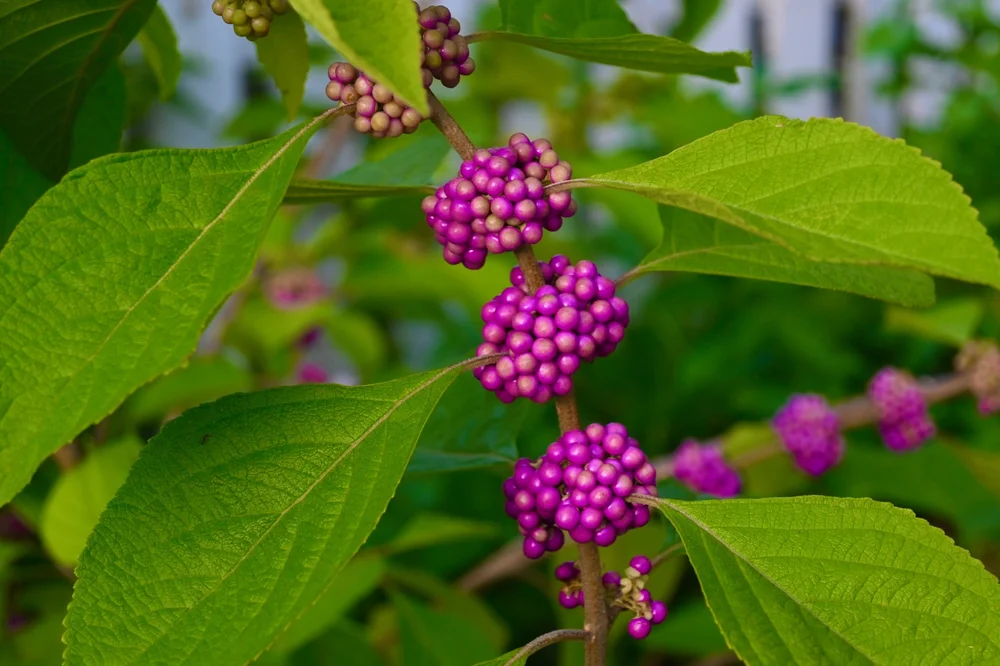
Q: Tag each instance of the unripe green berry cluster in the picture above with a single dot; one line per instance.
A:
(250, 18)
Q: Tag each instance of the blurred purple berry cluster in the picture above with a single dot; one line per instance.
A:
(294, 288)
(498, 203)
(981, 361)
(581, 486)
(446, 53)
(904, 422)
(810, 431)
(705, 470)
(575, 317)
(627, 593)
(378, 111)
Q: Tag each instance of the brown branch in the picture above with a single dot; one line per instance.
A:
(450, 128)
(595, 608)
(67, 456)
(504, 563)
(529, 266)
(854, 413)
(546, 640)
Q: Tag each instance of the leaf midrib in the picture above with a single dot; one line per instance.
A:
(257, 173)
(707, 530)
(890, 258)
(305, 494)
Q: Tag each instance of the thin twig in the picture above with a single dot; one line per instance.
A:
(667, 554)
(67, 456)
(501, 564)
(854, 413)
(450, 128)
(529, 266)
(546, 640)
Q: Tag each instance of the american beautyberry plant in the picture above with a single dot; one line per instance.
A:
(236, 422)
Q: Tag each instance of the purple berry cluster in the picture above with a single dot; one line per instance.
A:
(377, 111)
(810, 430)
(574, 317)
(581, 486)
(628, 593)
(446, 53)
(981, 361)
(571, 594)
(497, 203)
(704, 469)
(903, 419)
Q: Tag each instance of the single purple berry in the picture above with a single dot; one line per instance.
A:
(611, 579)
(641, 564)
(567, 571)
(533, 549)
(659, 612)
(568, 600)
(638, 628)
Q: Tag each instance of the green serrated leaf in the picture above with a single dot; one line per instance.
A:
(936, 480)
(953, 322)
(983, 465)
(359, 578)
(101, 119)
(697, 15)
(159, 46)
(824, 580)
(646, 53)
(431, 529)
(97, 131)
(380, 38)
(827, 189)
(697, 244)
(345, 644)
(200, 381)
(51, 53)
(285, 56)
(237, 516)
(80, 495)
(469, 429)
(691, 630)
(405, 172)
(438, 638)
(449, 598)
(557, 18)
(20, 187)
(103, 288)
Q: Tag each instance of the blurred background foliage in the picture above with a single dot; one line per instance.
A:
(357, 293)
